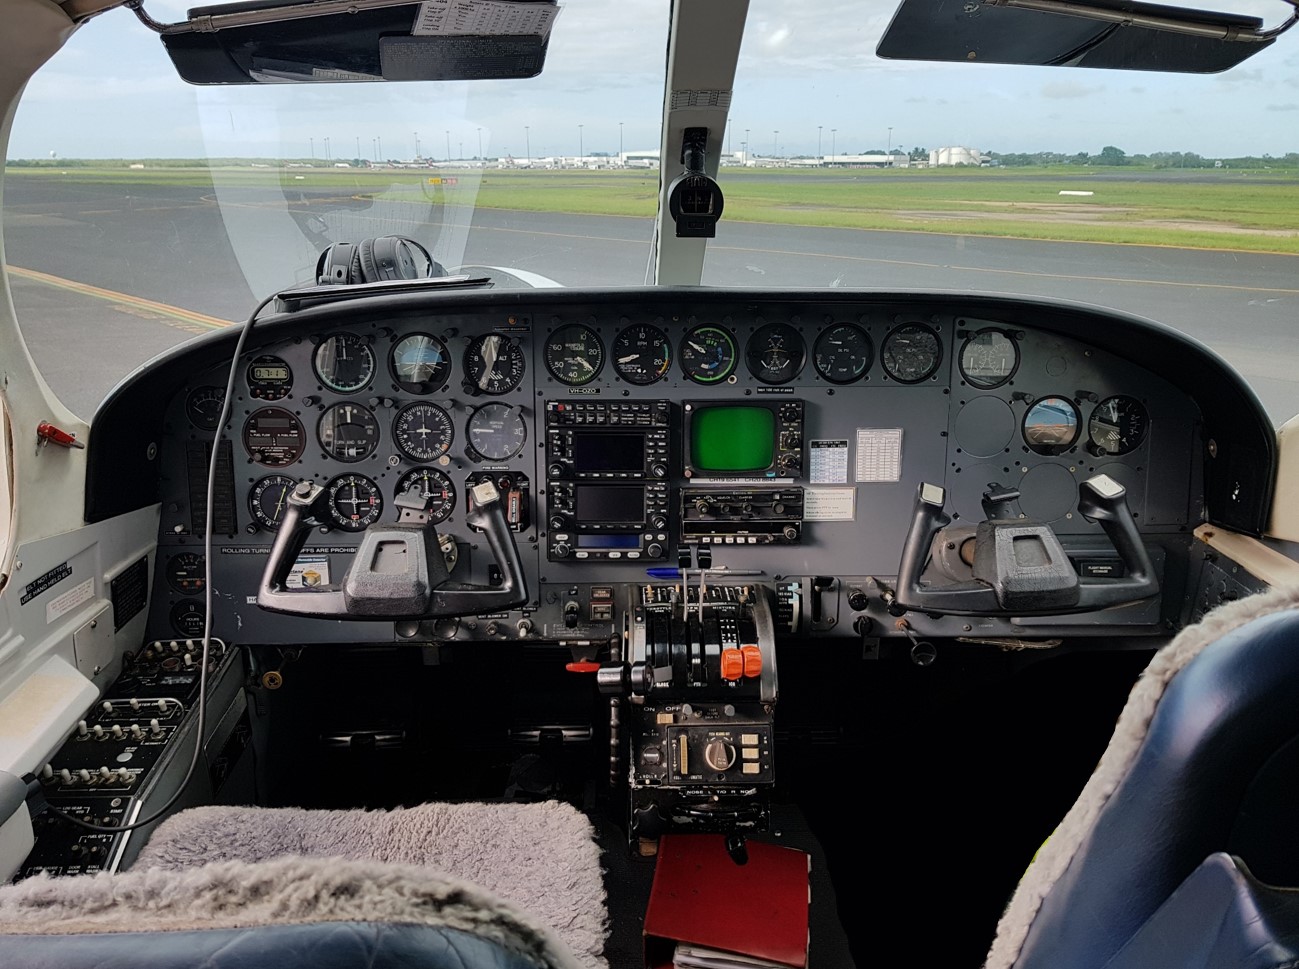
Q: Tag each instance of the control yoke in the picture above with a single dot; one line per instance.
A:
(399, 572)
(1020, 568)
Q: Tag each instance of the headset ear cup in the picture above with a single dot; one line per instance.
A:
(337, 265)
(387, 257)
(432, 266)
(365, 254)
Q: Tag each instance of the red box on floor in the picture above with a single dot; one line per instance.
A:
(701, 897)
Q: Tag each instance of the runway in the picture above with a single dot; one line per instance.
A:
(167, 250)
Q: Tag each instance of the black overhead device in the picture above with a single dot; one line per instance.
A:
(694, 197)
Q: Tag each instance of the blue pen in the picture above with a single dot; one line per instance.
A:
(666, 573)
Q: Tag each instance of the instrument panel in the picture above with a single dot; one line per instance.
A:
(780, 438)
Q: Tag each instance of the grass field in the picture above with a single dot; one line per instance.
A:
(1199, 208)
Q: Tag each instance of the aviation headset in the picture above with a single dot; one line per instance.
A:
(375, 260)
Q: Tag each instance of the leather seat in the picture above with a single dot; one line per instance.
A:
(1214, 707)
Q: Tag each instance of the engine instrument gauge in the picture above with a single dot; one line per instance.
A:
(497, 431)
(423, 431)
(348, 432)
(494, 365)
(775, 354)
(574, 354)
(1117, 426)
(203, 407)
(434, 487)
(843, 353)
(344, 362)
(269, 499)
(420, 363)
(186, 573)
(641, 354)
(1051, 425)
(188, 617)
(989, 358)
(911, 353)
(274, 437)
(269, 378)
(708, 354)
(354, 502)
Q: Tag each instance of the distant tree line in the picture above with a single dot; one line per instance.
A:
(1112, 156)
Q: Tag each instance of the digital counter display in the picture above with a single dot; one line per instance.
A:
(608, 451)
(732, 439)
(270, 373)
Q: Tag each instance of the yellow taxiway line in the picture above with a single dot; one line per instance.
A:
(112, 296)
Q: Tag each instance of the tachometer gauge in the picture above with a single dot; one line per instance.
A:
(494, 365)
(423, 432)
(775, 353)
(188, 617)
(434, 487)
(497, 431)
(574, 354)
(708, 354)
(989, 358)
(911, 353)
(420, 363)
(843, 353)
(1051, 425)
(274, 437)
(203, 407)
(354, 502)
(1117, 426)
(344, 362)
(641, 355)
(186, 573)
(269, 499)
(348, 432)
(269, 378)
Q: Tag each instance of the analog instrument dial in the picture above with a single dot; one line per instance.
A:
(911, 353)
(642, 355)
(434, 487)
(274, 437)
(574, 354)
(354, 502)
(348, 432)
(423, 432)
(843, 353)
(203, 407)
(269, 499)
(494, 365)
(989, 358)
(708, 354)
(420, 363)
(497, 431)
(775, 353)
(188, 617)
(1051, 425)
(1117, 426)
(269, 378)
(186, 573)
(344, 362)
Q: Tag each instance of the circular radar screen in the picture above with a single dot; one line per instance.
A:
(911, 353)
(1051, 425)
(574, 354)
(354, 502)
(708, 354)
(433, 488)
(269, 499)
(641, 355)
(494, 365)
(1117, 425)
(420, 363)
(187, 618)
(775, 353)
(185, 573)
(348, 432)
(344, 362)
(269, 378)
(989, 358)
(423, 432)
(274, 437)
(497, 431)
(843, 353)
(203, 407)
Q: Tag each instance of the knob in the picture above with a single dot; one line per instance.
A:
(659, 470)
(570, 614)
(658, 521)
(778, 508)
(556, 470)
(858, 600)
(790, 533)
(651, 756)
(719, 755)
(561, 550)
(654, 550)
(863, 625)
(701, 506)
(558, 521)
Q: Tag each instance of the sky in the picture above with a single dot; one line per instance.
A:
(808, 79)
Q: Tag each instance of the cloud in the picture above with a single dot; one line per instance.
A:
(1064, 90)
(1288, 106)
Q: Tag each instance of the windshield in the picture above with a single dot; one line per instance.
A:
(157, 210)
